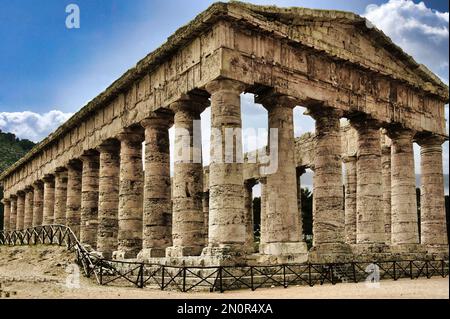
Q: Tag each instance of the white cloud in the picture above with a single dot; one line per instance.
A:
(419, 30)
(31, 125)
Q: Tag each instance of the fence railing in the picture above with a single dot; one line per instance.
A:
(220, 278)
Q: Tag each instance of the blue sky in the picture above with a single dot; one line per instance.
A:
(48, 72)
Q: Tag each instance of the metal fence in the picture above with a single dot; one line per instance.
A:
(219, 278)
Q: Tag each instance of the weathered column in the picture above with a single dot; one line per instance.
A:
(20, 210)
(28, 214)
(329, 218)
(369, 194)
(130, 193)
(284, 227)
(405, 233)
(248, 204)
(108, 201)
(6, 213)
(386, 181)
(299, 172)
(350, 198)
(263, 218)
(89, 198)
(188, 218)
(157, 218)
(13, 214)
(60, 196)
(38, 205)
(49, 199)
(226, 196)
(73, 207)
(433, 220)
(205, 205)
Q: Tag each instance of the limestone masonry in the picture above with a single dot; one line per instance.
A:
(89, 173)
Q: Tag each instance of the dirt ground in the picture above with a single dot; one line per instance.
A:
(41, 272)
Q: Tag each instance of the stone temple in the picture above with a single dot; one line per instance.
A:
(89, 173)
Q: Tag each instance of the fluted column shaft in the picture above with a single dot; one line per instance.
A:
(403, 189)
(49, 199)
(28, 214)
(6, 214)
(38, 204)
(386, 186)
(13, 214)
(248, 204)
(60, 197)
(89, 199)
(20, 210)
(73, 207)
(130, 194)
(108, 207)
(369, 194)
(188, 218)
(350, 199)
(226, 195)
(433, 219)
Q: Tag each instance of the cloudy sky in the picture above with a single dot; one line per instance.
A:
(48, 72)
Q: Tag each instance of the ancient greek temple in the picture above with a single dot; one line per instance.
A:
(91, 175)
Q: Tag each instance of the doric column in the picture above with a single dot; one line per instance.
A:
(60, 196)
(73, 207)
(369, 194)
(386, 181)
(284, 230)
(263, 218)
(248, 204)
(108, 201)
(350, 198)
(403, 190)
(329, 218)
(188, 218)
(299, 172)
(20, 210)
(226, 196)
(205, 205)
(28, 214)
(130, 193)
(49, 199)
(89, 198)
(13, 214)
(6, 214)
(38, 205)
(433, 221)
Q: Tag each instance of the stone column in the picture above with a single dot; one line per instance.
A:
(205, 205)
(329, 218)
(28, 214)
(405, 233)
(108, 202)
(13, 214)
(284, 233)
(350, 198)
(60, 196)
(226, 193)
(248, 204)
(6, 214)
(130, 194)
(386, 181)
(299, 172)
(73, 207)
(369, 194)
(20, 210)
(263, 218)
(49, 199)
(89, 198)
(433, 220)
(188, 218)
(38, 205)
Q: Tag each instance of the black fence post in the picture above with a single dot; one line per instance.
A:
(395, 273)
(309, 275)
(162, 277)
(141, 278)
(355, 280)
(220, 279)
(251, 278)
(411, 269)
(184, 279)
(284, 276)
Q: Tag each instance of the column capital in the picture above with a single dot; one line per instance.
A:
(75, 164)
(48, 178)
(363, 121)
(430, 139)
(320, 111)
(394, 132)
(89, 155)
(37, 184)
(60, 169)
(13, 197)
(273, 99)
(132, 134)
(21, 193)
(224, 85)
(193, 104)
(162, 120)
(5, 201)
(109, 145)
(29, 188)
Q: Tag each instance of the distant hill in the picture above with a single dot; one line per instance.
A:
(11, 150)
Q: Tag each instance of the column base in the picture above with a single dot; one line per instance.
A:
(147, 253)
(330, 253)
(440, 250)
(182, 251)
(225, 255)
(123, 254)
(371, 252)
(283, 248)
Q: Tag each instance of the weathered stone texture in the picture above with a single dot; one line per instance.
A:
(20, 210)
(6, 214)
(28, 214)
(38, 204)
(13, 215)
(49, 199)
(73, 206)
(60, 197)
